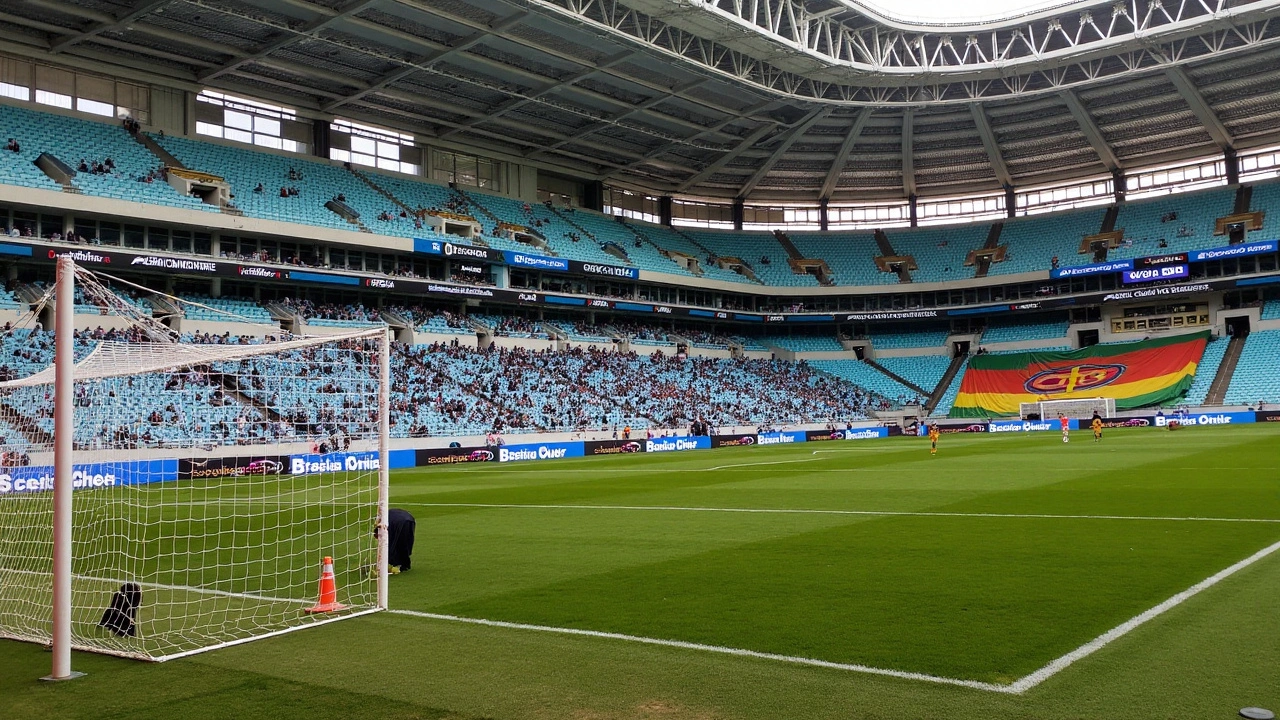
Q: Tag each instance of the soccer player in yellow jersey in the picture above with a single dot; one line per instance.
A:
(1097, 427)
(933, 439)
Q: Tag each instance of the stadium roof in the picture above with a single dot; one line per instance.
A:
(768, 100)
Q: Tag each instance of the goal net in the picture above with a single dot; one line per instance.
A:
(210, 482)
(1079, 408)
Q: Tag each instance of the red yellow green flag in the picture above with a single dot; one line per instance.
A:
(1136, 374)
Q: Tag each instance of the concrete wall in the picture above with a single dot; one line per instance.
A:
(465, 340)
(324, 330)
(219, 328)
(536, 344)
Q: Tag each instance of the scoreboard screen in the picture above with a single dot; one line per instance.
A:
(1151, 274)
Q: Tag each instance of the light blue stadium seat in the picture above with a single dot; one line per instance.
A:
(1255, 378)
(881, 339)
(1002, 329)
(804, 343)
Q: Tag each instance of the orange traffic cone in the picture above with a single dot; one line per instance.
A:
(328, 591)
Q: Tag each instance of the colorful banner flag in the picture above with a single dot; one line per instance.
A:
(1136, 374)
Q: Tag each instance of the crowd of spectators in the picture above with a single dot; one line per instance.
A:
(446, 389)
(330, 311)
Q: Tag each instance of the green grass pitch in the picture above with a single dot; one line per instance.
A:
(982, 564)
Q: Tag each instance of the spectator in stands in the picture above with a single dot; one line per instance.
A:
(284, 191)
(83, 166)
(13, 146)
(259, 189)
(1053, 262)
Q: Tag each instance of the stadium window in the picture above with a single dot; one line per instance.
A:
(15, 92)
(94, 107)
(1176, 179)
(375, 147)
(636, 206)
(46, 97)
(468, 170)
(1065, 197)
(702, 214)
(936, 212)
(856, 217)
(244, 120)
(1260, 165)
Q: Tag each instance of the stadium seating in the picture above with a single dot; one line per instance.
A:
(1055, 348)
(1034, 241)
(1205, 371)
(9, 301)
(1255, 378)
(949, 397)
(1266, 197)
(317, 183)
(882, 340)
(73, 139)
(333, 315)
(923, 370)
(751, 247)
(649, 255)
(851, 257)
(506, 326)
(1271, 310)
(1184, 222)
(804, 343)
(939, 252)
(562, 238)
(864, 375)
(749, 343)
(225, 309)
(1003, 330)
(582, 332)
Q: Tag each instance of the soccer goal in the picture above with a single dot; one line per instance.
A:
(1081, 408)
(160, 498)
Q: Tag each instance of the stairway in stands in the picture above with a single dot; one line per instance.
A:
(898, 378)
(945, 383)
(1244, 198)
(983, 265)
(165, 156)
(792, 251)
(1227, 368)
(886, 250)
(380, 190)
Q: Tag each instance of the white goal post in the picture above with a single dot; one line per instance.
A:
(160, 498)
(1078, 408)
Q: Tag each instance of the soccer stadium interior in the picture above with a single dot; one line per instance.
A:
(578, 217)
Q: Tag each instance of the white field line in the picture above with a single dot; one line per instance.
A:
(139, 655)
(1017, 687)
(873, 513)
(977, 685)
(755, 464)
(1056, 666)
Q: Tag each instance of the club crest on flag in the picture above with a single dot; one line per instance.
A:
(1074, 378)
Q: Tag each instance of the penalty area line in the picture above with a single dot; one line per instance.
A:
(1062, 663)
(720, 649)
